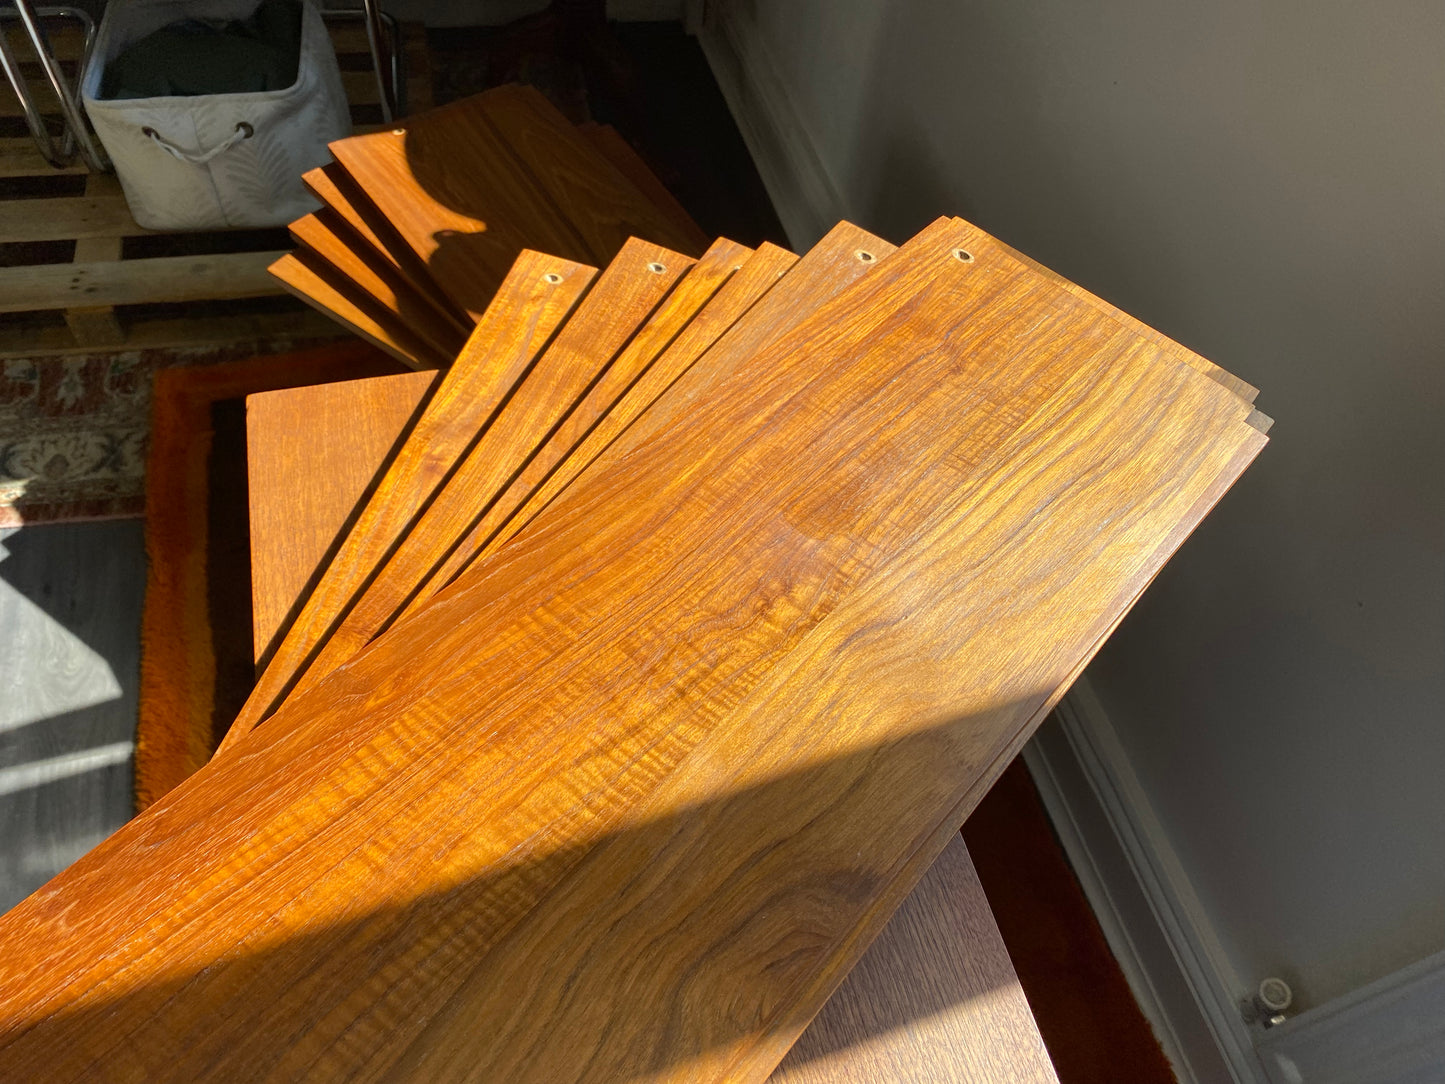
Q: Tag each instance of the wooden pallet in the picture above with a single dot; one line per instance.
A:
(78, 274)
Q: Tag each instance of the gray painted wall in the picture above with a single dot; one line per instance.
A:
(1265, 182)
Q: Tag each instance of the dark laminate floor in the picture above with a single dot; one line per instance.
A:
(70, 605)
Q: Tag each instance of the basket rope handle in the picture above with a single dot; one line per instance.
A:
(243, 131)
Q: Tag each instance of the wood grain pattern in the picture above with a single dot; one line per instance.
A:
(340, 194)
(595, 198)
(745, 890)
(1244, 390)
(325, 234)
(313, 454)
(758, 274)
(447, 531)
(533, 302)
(625, 294)
(697, 288)
(609, 143)
(842, 257)
(301, 277)
(631, 876)
(448, 191)
(627, 800)
(934, 1000)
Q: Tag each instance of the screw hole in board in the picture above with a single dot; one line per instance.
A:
(657, 268)
(962, 255)
(865, 256)
(552, 277)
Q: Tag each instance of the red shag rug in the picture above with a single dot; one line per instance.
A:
(188, 694)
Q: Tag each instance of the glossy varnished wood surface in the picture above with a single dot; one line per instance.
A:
(609, 143)
(698, 287)
(445, 190)
(599, 202)
(842, 257)
(934, 1000)
(312, 454)
(383, 287)
(533, 302)
(758, 274)
(622, 299)
(304, 279)
(340, 194)
(712, 826)
(694, 365)
(443, 540)
(628, 799)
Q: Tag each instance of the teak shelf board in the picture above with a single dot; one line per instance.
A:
(713, 269)
(628, 797)
(935, 996)
(345, 433)
(621, 299)
(596, 198)
(609, 142)
(447, 193)
(532, 303)
(296, 272)
(449, 197)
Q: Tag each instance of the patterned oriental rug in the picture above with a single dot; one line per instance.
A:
(74, 430)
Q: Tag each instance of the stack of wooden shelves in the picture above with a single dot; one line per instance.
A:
(419, 224)
(701, 598)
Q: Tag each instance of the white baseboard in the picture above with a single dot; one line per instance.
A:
(803, 194)
(1149, 913)
(1389, 1032)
